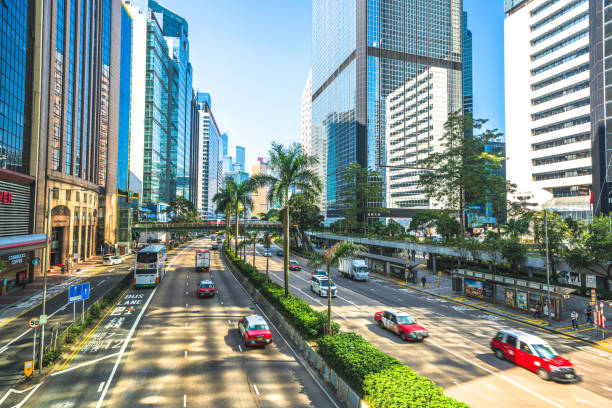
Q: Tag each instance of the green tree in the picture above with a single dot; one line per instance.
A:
(290, 169)
(224, 200)
(462, 168)
(242, 202)
(394, 229)
(181, 209)
(249, 238)
(592, 250)
(447, 226)
(558, 235)
(305, 215)
(362, 195)
(330, 257)
(513, 250)
(273, 214)
(424, 222)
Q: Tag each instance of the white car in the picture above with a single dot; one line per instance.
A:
(320, 284)
(112, 260)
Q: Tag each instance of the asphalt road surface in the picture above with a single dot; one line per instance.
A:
(166, 347)
(16, 336)
(457, 355)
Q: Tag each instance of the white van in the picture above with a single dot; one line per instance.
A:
(319, 284)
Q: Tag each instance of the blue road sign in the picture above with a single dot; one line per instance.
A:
(85, 290)
(75, 293)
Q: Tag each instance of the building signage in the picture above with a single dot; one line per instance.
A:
(16, 259)
(6, 197)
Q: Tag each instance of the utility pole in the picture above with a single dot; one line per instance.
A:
(547, 267)
(47, 264)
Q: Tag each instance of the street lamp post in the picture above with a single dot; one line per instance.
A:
(547, 267)
(47, 263)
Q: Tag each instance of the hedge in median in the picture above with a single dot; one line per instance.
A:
(310, 323)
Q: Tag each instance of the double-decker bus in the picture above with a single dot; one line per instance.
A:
(150, 266)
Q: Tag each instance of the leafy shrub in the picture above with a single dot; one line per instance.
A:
(353, 358)
(400, 387)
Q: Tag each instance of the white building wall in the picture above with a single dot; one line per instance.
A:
(534, 149)
(415, 116)
(137, 102)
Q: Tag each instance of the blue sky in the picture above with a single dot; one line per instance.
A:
(254, 57)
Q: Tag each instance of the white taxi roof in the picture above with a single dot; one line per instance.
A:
(206, 281)
(397, 312)
(525, 337)
(255, 319)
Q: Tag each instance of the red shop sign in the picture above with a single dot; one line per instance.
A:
(6, 197)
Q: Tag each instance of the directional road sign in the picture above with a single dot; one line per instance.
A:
(75, 293)
(85, 290)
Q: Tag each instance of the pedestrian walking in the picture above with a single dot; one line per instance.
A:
(589, 314)
(423, 280)
(536, 312)
(574, 317)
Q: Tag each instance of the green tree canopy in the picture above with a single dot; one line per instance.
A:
(558, 236)
(182, 210)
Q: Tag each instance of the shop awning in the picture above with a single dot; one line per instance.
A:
(20, 243)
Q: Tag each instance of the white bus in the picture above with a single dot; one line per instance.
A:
(150, 266)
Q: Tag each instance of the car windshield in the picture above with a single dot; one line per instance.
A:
(293, 262)
(360, 269)
(544, 350)
(321, 272)
(405, 320)
(107, 257)
(325, 282)
(257, 327)
(206, 285)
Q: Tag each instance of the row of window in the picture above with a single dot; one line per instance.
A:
(560, 28)
(542, 7)
(560, 109)
(553, 16)
(561, 60)
(56, 192)
(550, 175)
(421, 82)
(560, 77)
(561, 141)
(561, 92)
(571, 191)
(560, 125)
(406, 174)
(560, 44)
(412, 203)
(559, 158)
(411, 193)
(411, 97)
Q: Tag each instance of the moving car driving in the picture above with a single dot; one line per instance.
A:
(320, 272)
(294, 265)
(267, 252)
(401, 324)
(254, 331)
(206, 288)
(112, 260)
(534, 354)
(320, 285)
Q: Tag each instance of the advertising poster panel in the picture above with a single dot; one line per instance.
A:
(487, 290)
(510, 297)
(521, 300)
(474, 288)
(534, 299)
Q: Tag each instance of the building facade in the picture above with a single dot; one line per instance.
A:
(210, 165)
(260, 196)
(77, 180)
(547, 81)
(364, 50)
(168, 97)
(238, 154)
(20, 85)
(193, 151)
(468, 84)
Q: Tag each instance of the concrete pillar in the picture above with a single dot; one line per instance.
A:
(433, 261)
(387, 268)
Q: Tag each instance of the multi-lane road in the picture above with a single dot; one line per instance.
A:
(457, 354)
(166, 347)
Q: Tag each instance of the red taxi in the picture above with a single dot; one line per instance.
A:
(206, 288)
(294, 265)
(534, 354)
(401, 324)
(254, 331)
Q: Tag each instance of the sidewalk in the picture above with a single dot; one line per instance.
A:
(585, 332)
(21, 300)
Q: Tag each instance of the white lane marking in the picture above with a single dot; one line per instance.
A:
(83, 364)
(585, 369)
(186, 293)
(13, 391)
(503, 377)
(221, 302)
(185, 353)
(186, 324)
(256, 390)
(5, 347)
(240, 348)
(186, 304)
(129, 336)
(297, 356)
(459, 385)
(101, 282)
(607, 388)
(101, 386)
(184, 400)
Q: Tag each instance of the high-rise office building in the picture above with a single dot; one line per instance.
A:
(238, 154)
(224, 140)
(468, 85)
(194, 153)
(210, 165)
(260, 196)
(313, 142)
(168, 102)
(601, 97)
(363, 51)
(77, 179)
(547, 79)
(21, 38)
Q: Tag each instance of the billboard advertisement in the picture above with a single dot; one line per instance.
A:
(510, 297)
(521, 300)
(478, 289)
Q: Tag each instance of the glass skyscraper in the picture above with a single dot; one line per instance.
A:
(210, 160)
(468, 86)
(364, 50)
(167, 107)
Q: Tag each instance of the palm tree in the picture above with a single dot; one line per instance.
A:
(249, 238)
(224, 200)
(290, 169)
(330, 257)
(267, 242)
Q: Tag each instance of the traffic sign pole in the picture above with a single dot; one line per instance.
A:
(83, 313)
(34, 347)
(73, 311)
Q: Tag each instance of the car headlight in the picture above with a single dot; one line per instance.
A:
(555, 368)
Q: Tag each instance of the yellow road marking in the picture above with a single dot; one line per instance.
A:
(57, 294)
(84, 341)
